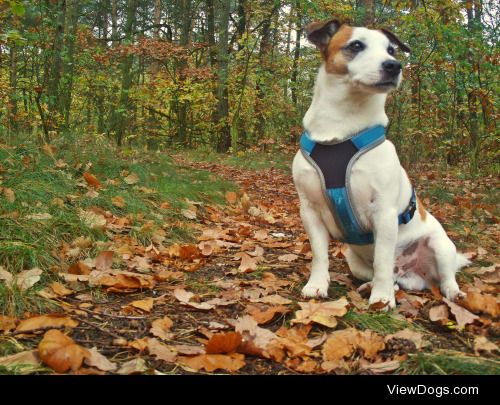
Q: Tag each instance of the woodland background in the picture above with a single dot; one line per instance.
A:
(235, 74)
(148, 219)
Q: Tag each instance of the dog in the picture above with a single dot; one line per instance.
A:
(358, 71)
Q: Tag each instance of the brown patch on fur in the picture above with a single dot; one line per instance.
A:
(421, 209)
(336, 59)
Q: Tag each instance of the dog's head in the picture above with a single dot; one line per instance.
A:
(366, 57)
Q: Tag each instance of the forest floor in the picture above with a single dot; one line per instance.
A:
(212, 284)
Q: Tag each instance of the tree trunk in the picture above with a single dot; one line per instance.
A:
(222, 113)
(120, 121)
(13, 87)
(296, 55)
(155, 66)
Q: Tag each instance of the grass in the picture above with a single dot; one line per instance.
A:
(251, 159)
(50, 192)
(445, 363)
(380, 322)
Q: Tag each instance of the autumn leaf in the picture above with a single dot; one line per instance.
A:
(79, 268)
(160, 351)
(118, 202)
(223, 343)
(290, 257)
(477, 302)
(104, 260)
(45, 322)
(231, 197)
(265, 314)
(60, 352)
(134, 366)
(211, 362)
(340, 344)
(120, 281)
(324, 313)
(132, 178)
(97, 360)
(92, 180)
(462, 316)
(439, 313)
(145, 305)
(8, 194)
(161, 327)
(60, 289)
(28, 278)
(186, 298)
(248, 263)
(7, 323)
(25, 358)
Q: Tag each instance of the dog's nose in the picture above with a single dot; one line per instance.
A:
(393, 67)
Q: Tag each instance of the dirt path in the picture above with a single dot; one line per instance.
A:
(231, 303)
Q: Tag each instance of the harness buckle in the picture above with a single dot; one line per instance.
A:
(410, 211)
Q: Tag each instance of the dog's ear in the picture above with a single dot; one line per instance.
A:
(320, 32)
(393, 38)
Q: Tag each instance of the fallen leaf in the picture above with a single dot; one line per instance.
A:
(477, 302)
(91, 219)
(439, 313)
(45, 322)
(462, 316)
(248, 263)
(79, 268)
(223, 343)
(212, 362)
(145, 305)
(408, 334)
(97, 360)
(324, 313)
(92, 180)
(272, 299)
(482, 344)
(340, 344)
(231, 197)
(104, 260)
(29, 357)
(381, 367)
(134, 366)
(160, 351)
(118, 202)
(371, 343)
(9, 194)
(120, 281)
(60, 290)
(7, 323)
(265, 314)
(290, 257)
(60, 352)
(132, 178)
(186, 297)
(161, 327)
(28, 278)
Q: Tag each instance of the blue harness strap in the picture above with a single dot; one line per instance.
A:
(333, 162)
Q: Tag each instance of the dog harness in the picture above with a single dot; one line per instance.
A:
(333, 162)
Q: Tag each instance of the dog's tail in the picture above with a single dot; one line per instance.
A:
(461, 261)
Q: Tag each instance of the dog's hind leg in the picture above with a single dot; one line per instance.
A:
(447, 264)
(358, 267)
(319, 280)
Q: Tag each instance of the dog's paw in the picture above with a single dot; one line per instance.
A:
(451, 290)
(315, 289)
(382, 301)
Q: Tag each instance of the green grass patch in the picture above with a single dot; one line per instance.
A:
(380, 322)
(449, 363)
(51, 193)
(252, 160)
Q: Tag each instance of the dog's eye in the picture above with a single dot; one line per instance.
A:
(356, 46)
(391, 51)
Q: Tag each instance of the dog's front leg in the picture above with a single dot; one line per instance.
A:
(319, 280)
(386, 235)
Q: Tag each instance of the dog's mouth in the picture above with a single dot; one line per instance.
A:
(386, 84)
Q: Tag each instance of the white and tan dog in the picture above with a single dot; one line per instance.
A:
(359, 69)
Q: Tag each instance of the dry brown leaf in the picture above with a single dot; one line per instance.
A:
(265, 314)
(97, 360)
(189, 350)
(120, 281)
(92, 180)
(145, 305)
(79, 268)
(477, 302)
(167, 275)
(248, 263)
(439, 313)
(186, 297)
(9, 194)
(223, 343)
(382, 367)
(324, 313)
(161, 327)
(408, 334)
(161, 351)
(28, 278)
(340, 344)
(462, 316)
(212, 362)
(371, 343)
(482, 344)
(7, 323)
(104, 260)
(290, 257)
(231, 197)
(60, 290)
(134, 366)
(132, 178)
(118, 202)
(272, 300)
(60, 352)
(46, 321)
(29, 357)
